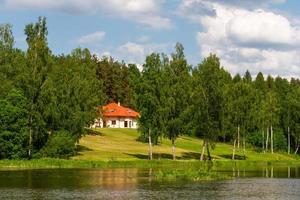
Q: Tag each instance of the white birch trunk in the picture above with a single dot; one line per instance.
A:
(272, 140)
(203, 150)
(289, 141)
(238, 139)
(233, 150)
(263, 140)
(173, 150)
(267, 140)
(150, 145)
(244, 147)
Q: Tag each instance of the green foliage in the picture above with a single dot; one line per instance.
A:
(59, 145)
(209, 80)
(150, 98)
(42, 94)
(13, 125)
(280, 141)
(71, 94)
(255, 139)
(190, 175)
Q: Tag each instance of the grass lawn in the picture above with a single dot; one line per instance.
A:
(122, 145)
(119, 148)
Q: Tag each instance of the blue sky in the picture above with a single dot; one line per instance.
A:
(259, 35)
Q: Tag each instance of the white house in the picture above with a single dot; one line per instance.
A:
(114, 115)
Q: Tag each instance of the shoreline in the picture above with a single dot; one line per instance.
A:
(48, 163)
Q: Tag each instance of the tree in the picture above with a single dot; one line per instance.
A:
(210, 78)
(177, 95)
(241, 108)
(282, 89)
(247, 77)
(261, 88)
(134, 77)
(270, 110)
(71, 94)
(38, 65)
(294, 123)
(151, 123)
(13, 125)
(9, 58)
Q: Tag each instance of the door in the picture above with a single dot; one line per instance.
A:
(104, 123)
(125, 124)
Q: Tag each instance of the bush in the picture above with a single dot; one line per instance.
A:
(255, 139)
(280, 141)
(59, 145)
(13, 126)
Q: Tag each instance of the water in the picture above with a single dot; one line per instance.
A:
(255, 183)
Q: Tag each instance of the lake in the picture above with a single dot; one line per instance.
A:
(255, 183)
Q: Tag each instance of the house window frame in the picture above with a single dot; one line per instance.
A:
(113, 122)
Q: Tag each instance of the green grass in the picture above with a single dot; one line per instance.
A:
(189, 174)
(119, 148)
(122, 145)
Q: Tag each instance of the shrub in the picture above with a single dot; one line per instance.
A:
(255, 139)
(59, 145)
(280, 141)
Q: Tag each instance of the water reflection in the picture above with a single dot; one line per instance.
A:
(270, 171)
(253, 182)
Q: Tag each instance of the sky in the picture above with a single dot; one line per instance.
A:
(254, 35)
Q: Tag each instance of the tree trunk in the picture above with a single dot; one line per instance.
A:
(263, 140)
(208, 153)
(203, 150)
(272, 140)
(297, 149)
(30, 137)
(267, 140)
(150, 145)
(173, 149)
(289, 141)
(233, 150)
(238, 139)
(244, 147)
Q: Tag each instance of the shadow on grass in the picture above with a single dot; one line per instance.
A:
(81, 149)
(158, 156)
(188, 139)
(236, 157)
(155, 156)
(190, 155)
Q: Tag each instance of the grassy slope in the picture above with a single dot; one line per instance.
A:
(121, 144)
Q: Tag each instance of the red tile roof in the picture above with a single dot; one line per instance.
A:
(115, 110)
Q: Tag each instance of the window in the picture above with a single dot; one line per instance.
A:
(125, 124)
(113, 122)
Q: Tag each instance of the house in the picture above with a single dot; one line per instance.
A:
(114, 115)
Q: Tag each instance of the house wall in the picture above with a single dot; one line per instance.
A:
(120, 123)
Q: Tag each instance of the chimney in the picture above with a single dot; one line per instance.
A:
(119, 103)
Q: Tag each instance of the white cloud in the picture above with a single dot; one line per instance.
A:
(143, 38)
(244, 38)
(91, 38)
(136, 53)
(146, 12)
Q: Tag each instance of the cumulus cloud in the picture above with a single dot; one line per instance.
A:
(247, 38)
(91, 38)
(146, 12)
(136, 52)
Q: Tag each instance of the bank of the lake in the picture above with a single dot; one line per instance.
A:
(108, 144)
(49, 163)
(119, 148)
